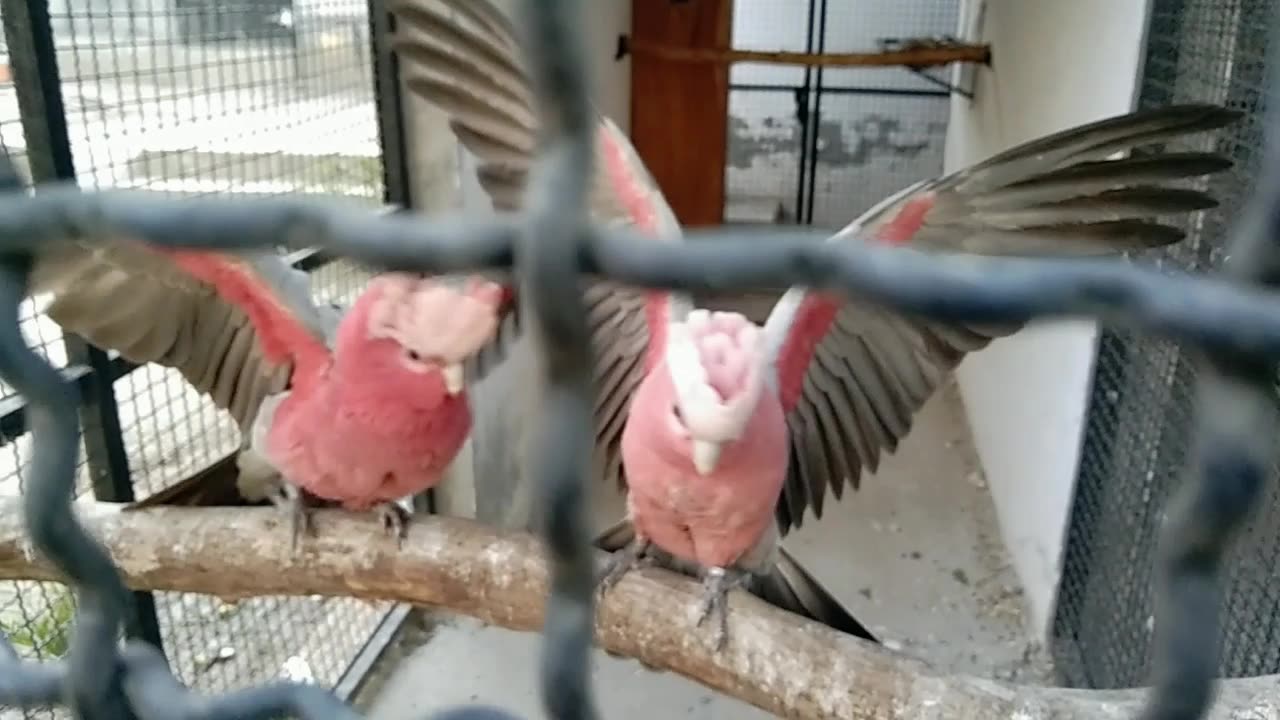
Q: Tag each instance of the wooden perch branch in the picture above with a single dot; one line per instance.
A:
(917, 57)
(777, 661)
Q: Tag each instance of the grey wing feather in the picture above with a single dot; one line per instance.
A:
(454, 56)
(874, 368)
(125, 297)
(463, 56)
(1059, 195)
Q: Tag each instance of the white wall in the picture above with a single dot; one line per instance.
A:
(1055, 64)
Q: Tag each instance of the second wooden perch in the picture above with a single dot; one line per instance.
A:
(775, 660)
(918, 56)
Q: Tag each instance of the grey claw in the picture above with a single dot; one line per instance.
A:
(294, 502)
(620, 563)
(395, 521)
(716, 584)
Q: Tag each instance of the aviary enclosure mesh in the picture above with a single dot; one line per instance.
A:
(819, 146)
(194, 97)
(1137, 433)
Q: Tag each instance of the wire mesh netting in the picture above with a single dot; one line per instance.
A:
(195, 97)
(821, 145)
(1138, 431)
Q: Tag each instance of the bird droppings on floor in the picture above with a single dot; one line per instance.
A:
(915, 554)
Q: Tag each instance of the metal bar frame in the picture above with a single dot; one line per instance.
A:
(803, 93)
(805, 214)
(387, 97)
(808, 100)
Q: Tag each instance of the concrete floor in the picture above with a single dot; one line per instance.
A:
(915, 554)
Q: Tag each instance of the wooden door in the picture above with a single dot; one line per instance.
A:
(679, 110)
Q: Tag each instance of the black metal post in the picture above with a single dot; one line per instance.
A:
(34, 62)
(815, 121)
(396, 189)
(803, 117)
(386, 88)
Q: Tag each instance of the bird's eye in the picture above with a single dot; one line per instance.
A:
(413, 355)
(675, 412)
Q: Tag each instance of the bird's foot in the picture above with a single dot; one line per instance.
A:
(716, 584)
(622, 561)
(395, 521)
(289, 498)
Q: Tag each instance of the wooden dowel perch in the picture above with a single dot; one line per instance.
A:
(776, 661)
(917, 57)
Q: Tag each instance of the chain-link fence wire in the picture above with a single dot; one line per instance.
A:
(37, 616)
(820, 145)
(1142, 406)
(186, 99)
(1237, 422)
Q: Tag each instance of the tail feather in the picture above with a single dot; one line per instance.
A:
(223, 484)
(787, 585)
(616, 536)
(215, 485)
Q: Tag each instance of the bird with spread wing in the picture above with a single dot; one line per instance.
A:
(725, 418)
(361, 407)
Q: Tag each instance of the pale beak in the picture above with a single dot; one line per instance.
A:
(705, 456)
(453, 378)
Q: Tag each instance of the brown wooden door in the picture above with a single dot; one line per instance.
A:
(679, 110)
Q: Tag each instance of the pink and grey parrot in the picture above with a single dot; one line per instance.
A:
(463, 56)
(737, 427)
(361, 408)
(725, 417)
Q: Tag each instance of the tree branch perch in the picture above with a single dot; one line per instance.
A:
(776, 661)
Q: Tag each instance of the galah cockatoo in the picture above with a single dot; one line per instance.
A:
(738, 427)
(724, 426)
(361, 408)
(463, 56)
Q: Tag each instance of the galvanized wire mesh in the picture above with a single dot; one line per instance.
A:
(1236, 430)
(187, 99)
(820, 145)
(1141, 412)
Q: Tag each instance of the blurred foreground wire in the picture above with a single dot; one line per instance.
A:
(548, 247)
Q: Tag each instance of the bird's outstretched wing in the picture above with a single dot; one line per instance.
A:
(238, 327)
(853, 374)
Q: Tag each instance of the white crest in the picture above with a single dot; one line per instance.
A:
(705, 413)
